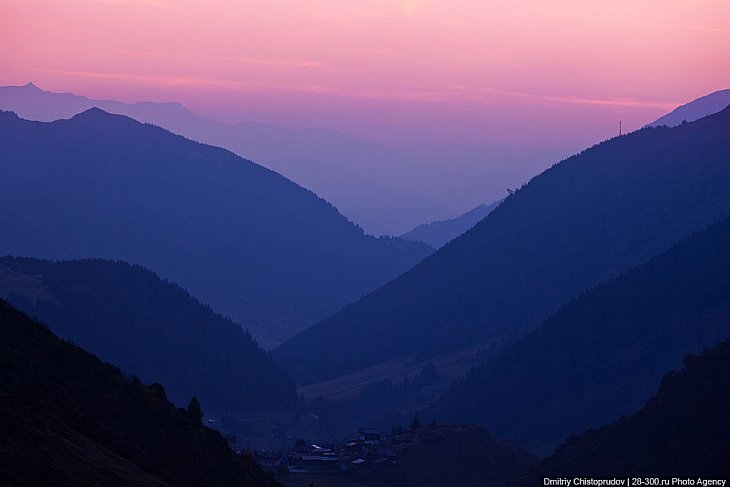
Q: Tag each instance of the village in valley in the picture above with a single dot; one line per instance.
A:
(369, 452)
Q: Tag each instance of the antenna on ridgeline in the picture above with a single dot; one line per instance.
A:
(620, 130)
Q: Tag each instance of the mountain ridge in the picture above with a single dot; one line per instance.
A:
(70, 419)
(701, 107)
(128, 316)
(682, 431)
(440, 232)
(581, 222)
(254, 245)
(311, 157)
(602, 355)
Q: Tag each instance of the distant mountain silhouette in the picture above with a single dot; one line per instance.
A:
(696, 109)
(579, 223)
(334, 165)
(437, 234)
(127, 316)
(67, 419)
(603, 354)
(683, 431)
(240, 237)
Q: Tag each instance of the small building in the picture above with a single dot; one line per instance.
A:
(369, 436)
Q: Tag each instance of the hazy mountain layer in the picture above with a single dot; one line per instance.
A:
(437, 234)
(127, 316)
(334, 165)
(247, 241)
(696, 109)
(579, 223)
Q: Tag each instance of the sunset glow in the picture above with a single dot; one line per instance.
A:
(544, 78)
(636, 57)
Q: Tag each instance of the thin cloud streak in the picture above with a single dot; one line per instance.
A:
(159, 4)
(615, 102)
(188, 81)
(192, 81)
(697, 28)
(484, 95)
(148, 54)
(275, 62)
(477, 94)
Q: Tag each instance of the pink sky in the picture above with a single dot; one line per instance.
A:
(399, 61)
(544, 76)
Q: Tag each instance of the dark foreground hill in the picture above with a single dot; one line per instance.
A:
(439, 233)
(242, 238)
(128, 316)
(581, 222)
(67, 419)
(683, 431)
(602, 355)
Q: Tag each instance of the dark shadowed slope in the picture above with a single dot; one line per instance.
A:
(696, 109)
(602, 355)
(683, 431)
(448, 455)
(437, 234)
(577, 224)
(240, 237)
(67, 419)
(334, 165)
(127, 316)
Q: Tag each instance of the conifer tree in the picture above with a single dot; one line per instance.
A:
(194, 409)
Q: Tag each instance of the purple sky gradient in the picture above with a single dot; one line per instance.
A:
(475, 96)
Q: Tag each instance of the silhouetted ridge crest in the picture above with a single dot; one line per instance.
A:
(696, 109)
(97, 115)
(8, 115)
